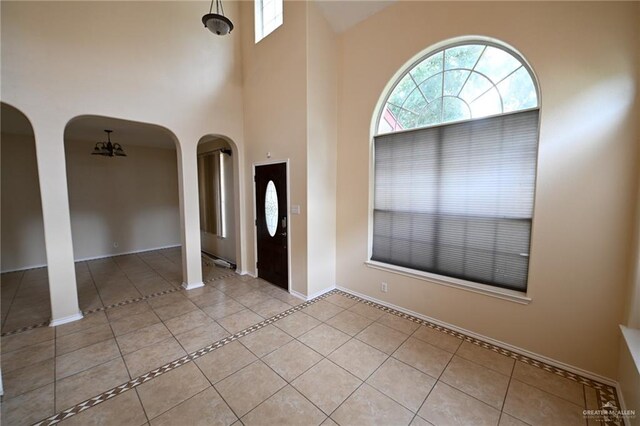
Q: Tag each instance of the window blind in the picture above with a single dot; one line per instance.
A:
(209, 192)
(457, 199)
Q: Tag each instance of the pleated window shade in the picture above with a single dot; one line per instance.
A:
(457, 199)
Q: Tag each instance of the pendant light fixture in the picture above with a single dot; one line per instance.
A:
(108, 149)
(217, 23)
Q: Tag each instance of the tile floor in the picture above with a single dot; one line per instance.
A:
(102, 282)
(240, 350)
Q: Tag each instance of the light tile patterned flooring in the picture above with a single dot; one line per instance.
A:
(102, 282)
(334, 360)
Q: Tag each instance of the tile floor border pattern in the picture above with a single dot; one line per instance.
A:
(116, 305)
(605, 392)
(133, 383)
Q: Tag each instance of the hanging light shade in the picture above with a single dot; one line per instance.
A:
(108, 149)
(217, 23)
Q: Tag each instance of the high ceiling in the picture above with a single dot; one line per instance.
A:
(344, 14)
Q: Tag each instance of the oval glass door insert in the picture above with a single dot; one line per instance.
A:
(271, 208)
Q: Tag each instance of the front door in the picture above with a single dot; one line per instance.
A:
(272, 223)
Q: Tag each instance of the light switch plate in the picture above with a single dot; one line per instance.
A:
(295, 209)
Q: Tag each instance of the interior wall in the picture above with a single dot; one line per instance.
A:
(224, 248)
(184, 78)
(275, 121)
(122, 204)
(322, 139)
(22, 233)
(586, 58)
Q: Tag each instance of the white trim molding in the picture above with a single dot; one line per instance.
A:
(533, 355)
(269, 162)
(84, 259)
(311, 296)
(192, 286)
(65, 320)
(487, 290)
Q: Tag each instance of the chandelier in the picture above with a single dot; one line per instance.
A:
(108, 149)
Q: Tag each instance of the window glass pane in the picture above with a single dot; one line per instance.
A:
(468, 72)
(431, 115)
(428, 67)
(408, 120)
(474, 87)
(454, 109)
(432, 88)
(518, 91)
(453, 81)
(415, 102)
(268, 17)
(487, 104)
(496, 63)
(402, 90)
(271, 208)
(462, 56)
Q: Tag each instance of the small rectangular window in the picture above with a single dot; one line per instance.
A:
(268, 17)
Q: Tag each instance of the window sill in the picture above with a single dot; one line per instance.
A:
(500, 293)
(632, 339)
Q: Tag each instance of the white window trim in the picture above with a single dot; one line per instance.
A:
(487, 290)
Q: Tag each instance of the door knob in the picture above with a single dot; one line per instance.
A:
(284, 234)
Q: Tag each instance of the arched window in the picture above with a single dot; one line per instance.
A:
(455, 167)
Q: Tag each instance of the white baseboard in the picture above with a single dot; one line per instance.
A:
(533, 355)
(65, 320)
(25, 268)
(84, 259)
(191, 286)
(311, 296)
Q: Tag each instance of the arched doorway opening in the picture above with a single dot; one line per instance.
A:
(25, 286)
(218, 196)
(125, 209)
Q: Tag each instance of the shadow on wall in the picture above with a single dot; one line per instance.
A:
(121, 204)
(218, 197)
(22, 229)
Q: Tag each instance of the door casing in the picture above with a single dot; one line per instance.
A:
(255, 217)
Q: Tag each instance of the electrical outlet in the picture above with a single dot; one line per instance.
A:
(383, 287)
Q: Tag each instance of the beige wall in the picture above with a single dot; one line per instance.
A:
(224, 248)
(290, 98)
(22, 229)
(131, 202)
(275, 120)
(586, 58)
(322, 138)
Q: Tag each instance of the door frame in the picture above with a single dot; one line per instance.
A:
(255, 215)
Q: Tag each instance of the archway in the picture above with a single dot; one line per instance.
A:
(25, 287)
(125, 209)
(219, 201)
